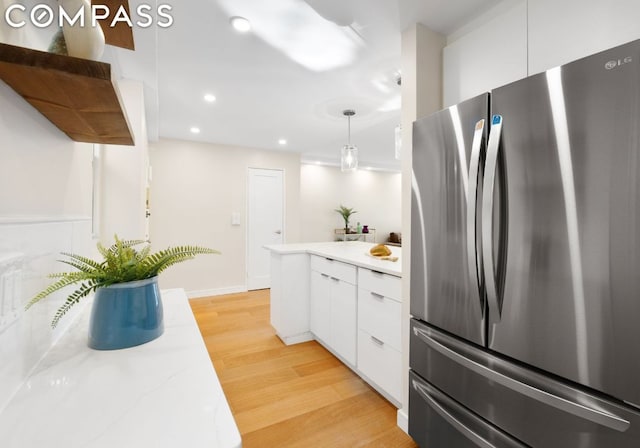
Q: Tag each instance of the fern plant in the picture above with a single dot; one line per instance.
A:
(346, 213)
(122, 263)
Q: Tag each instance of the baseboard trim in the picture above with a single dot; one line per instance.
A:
(402, 420)
(216, 292)
(296, 339)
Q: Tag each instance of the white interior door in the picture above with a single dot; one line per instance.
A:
(265, 223)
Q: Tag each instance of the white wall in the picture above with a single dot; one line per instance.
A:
(375, 195)
(195, 189)
(523, 37)
(124, 173)
(42, 172)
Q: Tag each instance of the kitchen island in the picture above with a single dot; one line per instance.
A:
(347, 300)
(164, 393)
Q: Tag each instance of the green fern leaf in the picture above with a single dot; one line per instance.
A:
(73, 299)
(121, 263)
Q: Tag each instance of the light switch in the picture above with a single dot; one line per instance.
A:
(235, 219)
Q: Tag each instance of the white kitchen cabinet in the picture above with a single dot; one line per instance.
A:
(493, 53)
(348, 301)
(343, 319)
(333, 306)
(381, 366)
(320, 305)
(289, 297)
(379, 358)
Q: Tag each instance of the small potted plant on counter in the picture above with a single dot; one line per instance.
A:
(346, 214)
(127, 308)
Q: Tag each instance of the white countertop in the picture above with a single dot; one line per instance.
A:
(164, 393)
(354, 252)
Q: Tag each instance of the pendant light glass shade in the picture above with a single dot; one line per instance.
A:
(349, 158)
(349, 154)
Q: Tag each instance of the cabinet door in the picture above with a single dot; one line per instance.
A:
(343, 319)
(320, 306)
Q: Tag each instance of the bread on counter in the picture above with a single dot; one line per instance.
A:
(380, 250)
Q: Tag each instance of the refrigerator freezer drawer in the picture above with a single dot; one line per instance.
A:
(539, 409)
(438, 421)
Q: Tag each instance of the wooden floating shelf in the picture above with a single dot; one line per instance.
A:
(77, 95)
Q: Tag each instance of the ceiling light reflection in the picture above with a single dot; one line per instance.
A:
(240, 24)
(297, 30)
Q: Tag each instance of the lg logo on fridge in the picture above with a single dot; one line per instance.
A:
(617, 63)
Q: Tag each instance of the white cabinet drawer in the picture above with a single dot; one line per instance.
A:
(380, 317)
(384, 284)
(332, 268)
(381, 364)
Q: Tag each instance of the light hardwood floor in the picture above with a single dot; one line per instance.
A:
(289, 396)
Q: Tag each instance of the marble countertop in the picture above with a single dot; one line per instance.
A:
(353, 252)
(164, 393)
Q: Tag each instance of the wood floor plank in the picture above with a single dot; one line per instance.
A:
(284, 409)
(254, 397)
(337, 425)
(289, 396)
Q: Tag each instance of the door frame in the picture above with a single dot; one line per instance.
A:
(247, 210)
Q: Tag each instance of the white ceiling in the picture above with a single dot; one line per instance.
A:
(291, 77)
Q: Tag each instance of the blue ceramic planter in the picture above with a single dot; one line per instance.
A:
(125, 315)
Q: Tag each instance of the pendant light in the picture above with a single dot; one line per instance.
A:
(349, 155)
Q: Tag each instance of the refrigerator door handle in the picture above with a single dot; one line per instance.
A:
(583, 411)
(487, 217)
(474, 262)
(430, 395)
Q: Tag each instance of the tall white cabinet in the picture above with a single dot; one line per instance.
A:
(518, 38)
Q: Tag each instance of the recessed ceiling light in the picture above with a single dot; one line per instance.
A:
(195, 130)
(240, 24)
(209, 98)
(282, 141)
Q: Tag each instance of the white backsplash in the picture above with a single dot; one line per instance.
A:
(28, 253)
(10, 288)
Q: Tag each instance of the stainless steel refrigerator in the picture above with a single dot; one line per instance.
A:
(525, 263)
